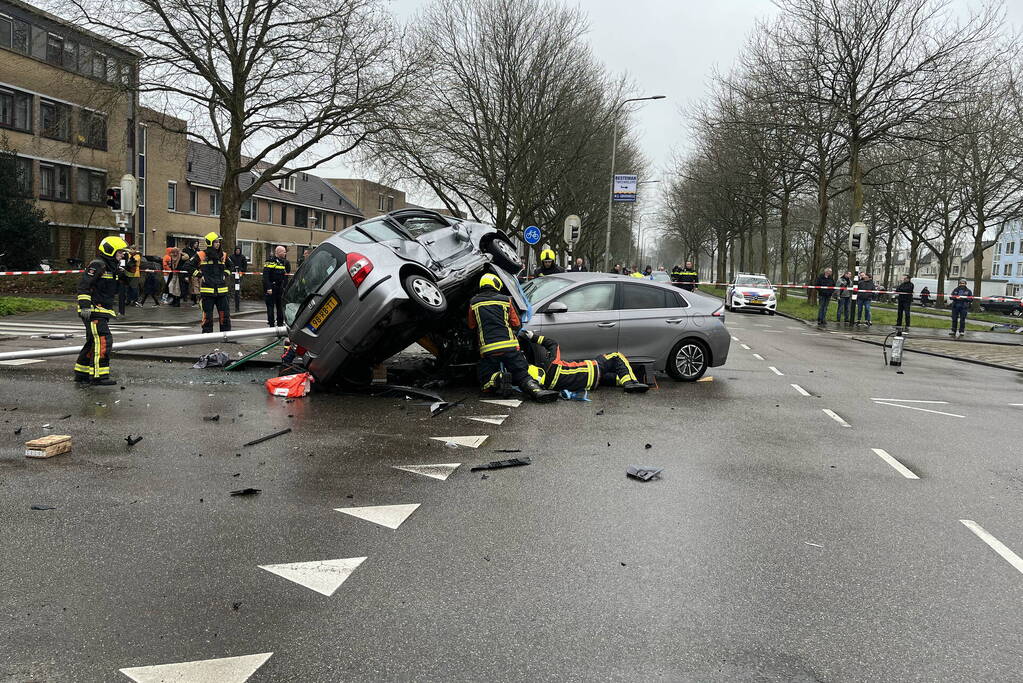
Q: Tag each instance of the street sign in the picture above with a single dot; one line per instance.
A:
(532, 235)
(625, 188)
(573, 226)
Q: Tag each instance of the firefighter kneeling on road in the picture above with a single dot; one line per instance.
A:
(211, 266)
(547, 367)
(493, 315)
(97, 291)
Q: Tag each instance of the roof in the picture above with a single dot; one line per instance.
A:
(208, 167)
(986, 244)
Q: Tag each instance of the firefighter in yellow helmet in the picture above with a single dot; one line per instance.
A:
(97, 291)
(548, 264)
(552, 372)
(492, 314)
(211, 266)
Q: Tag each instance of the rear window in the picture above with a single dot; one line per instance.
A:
(381, 231)
(638, 296)
(417, 225)
(321, 264)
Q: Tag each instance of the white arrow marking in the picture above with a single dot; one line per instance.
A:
(922, 410)
(225, 670)
(506, 402)
(469, 441)
(441, 471)
(390, 516)
(744, 346)
(899, 467)
(996, 545)
(489, 419)
(322, 576)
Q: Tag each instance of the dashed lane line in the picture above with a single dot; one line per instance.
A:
(996, 545)
(922, 410)
(758, 356)
(899, 467)
(907, 400)
(735, 339)
(744, 346)
(775, 370)
(800, 389)
(836, 417)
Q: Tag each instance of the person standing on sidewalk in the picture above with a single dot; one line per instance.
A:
(150, 285)
(845, 298)
(275, 279)
(132, 266)
(961, 297)
(209, 268)
(864, 295)
(825, 285)
(239, 265)
(905, 294)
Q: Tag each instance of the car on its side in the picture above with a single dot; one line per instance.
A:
(371, 290)
(751, 292)
(588, 314)
(1006, 305)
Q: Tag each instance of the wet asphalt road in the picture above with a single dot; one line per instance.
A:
(777, 546)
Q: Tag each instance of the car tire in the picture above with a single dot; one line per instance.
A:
(770, 313)
(983, 308)
(688, 360)
(425, 294)
(505, 256)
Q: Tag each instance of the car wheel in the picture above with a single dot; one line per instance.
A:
(770, 313)
(983, 308)
(688, 360)
(1017, 313)
(425, 293)
(505, 256)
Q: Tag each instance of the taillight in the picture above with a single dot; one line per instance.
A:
(359, 267)
(720, 313)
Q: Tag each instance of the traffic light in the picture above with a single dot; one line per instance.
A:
(114, 198)
(856, 240)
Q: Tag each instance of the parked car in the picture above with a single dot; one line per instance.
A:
(373, 289)
(750, 291)
(681, 333)
(1006, 305)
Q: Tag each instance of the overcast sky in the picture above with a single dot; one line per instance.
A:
(672, 47)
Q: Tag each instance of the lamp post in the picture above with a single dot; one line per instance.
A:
(611, 189)
(639, 254)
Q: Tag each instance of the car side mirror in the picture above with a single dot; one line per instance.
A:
(555, 307)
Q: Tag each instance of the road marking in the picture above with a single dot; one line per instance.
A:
(812, 334)
(489, 419)
(922, 410)
(440, 471)
(996, 545)
(390, 516)
(735, 339)
(507, 402)
(834, 416)
(468, 441)
(800, 389)
(776, 371)
(758, 356)
(1016, 404)
(899, 467)
(906, 400)
(744, 346)
(709, 378)
(322, 576)
(224, 670)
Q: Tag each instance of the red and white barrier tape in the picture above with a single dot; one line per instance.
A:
(855, 290)
(72, 272)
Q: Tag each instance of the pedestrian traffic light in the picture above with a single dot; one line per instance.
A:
(856, 239)
(114, 198)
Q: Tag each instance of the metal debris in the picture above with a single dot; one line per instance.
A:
(133, 440)
(267, 437)
(498, 464)
(644, 473)
(246, 492)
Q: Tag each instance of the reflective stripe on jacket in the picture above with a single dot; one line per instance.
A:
(212, 266)
(495, 320)
(97, 288)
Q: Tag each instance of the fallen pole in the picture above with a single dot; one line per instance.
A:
(153, 343)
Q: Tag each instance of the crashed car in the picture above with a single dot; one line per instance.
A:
(373, 289)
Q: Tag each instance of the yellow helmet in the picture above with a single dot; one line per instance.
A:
(537, 373)
(547, 255)
(491, 280)
(111, 245)
(211, 237)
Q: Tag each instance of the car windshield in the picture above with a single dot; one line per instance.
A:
(660, 276)
(752, 282)
(542, 287)
(421, 225)
(320, 265)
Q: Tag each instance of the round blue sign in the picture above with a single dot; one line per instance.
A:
(532, 235)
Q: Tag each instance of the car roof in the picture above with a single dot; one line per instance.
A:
(612, 277)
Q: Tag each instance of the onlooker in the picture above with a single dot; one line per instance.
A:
(825, 288)
(845, 298)
(239, 265)
(648, 272)
(961, 297)
(132, 266)
(617, 270)
(193, 283)
(925, 296)
(177, 279)
(864, 295)
(579, 266)
(905, 290)
(150, 285)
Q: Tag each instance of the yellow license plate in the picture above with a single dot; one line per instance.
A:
(325, 310)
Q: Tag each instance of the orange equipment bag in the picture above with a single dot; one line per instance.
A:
(290, 386)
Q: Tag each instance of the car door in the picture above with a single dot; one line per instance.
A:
(445, 242)
(590, 325)
(650, 320)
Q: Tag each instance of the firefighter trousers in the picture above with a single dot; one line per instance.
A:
(615, 369)
(94, 358)
(223, 306)
(489, 368)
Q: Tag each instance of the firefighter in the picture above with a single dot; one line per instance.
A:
(493, 315)
(548, 264)
(211, 265)
(547, 367)
(97, 291)
(686, 276)
(275, 278)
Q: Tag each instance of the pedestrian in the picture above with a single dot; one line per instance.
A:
(188, 254)
(845, 284)
(275, 280)
(617, 270)
(961, 297)
(174, 265)
(864, 295)
(150, 285)
(239, 266)
(132, 271)
(687, 277)
(552, 372)
(580, 266)
(905, 290)
(492, 314)
(97, 292)
(825, 285)
(548, 265)
(925, 296)
(209, 268)
(648, 272)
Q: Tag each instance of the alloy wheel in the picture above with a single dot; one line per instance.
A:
(689, 360)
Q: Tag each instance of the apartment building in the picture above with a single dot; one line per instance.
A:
(67, 109)
(372, 198)
(1007, 265)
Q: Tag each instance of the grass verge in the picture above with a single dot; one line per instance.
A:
(9, 305)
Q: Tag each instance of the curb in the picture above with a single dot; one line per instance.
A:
(996, 366)
(256, 362)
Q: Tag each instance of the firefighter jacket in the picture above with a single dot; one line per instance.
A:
(558, 374)
(495, 320)
(540, 271)
(275, 273)
(97, 287)
(212, 266)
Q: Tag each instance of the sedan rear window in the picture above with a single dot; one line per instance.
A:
(320, 265)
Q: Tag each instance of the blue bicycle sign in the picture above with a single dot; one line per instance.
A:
(532, 235)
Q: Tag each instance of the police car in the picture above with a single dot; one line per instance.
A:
(751, 291)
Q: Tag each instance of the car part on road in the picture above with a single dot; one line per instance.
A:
(42, 507)
(48, 446)
(644, 473)
(688, 360)
(217, 359)
(499, 464)
(267, 437)
(132, 440)
(247, 491)
(440, 406)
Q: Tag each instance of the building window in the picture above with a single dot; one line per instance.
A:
(246, 248)
(193, 200)
(99, 66)
(284, 214)
(321, 220)
(141, 199)
(54, 182)
(54, 50)
(1019, 269)
(246, 210)
(16, 110)
(23, 169)
(390, 203)
(955, 270)
(1010, 247)
(287, 184)
(13, 34)
(301, 217)
(172, 196)
(91, 186)
(55, 119)
(92, 129)
(998, 248)
(1007, 269)
(214, 203)
(380, 202)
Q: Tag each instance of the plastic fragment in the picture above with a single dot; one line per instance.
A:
(42, 507)
(499, 464)
(644, 473)
(133, 440)
(246, 492)
(267, 437)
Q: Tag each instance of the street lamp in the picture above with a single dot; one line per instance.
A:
(611, 190)
(639, 251)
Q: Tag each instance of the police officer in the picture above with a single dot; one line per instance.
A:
(686, 276)
(275, 279)
(548, 265)
(961, 298)
(97, 291)
(211, 265)
(492, 314)
(239, 265)
(547, 367)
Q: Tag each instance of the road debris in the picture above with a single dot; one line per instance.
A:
(815, 545)
(42, 507)
(217, 359)
(133, 440)
(18, 430)
(267, 437)
(246, 492)
(440, 406)
(644, 473)
(499, 464)
(290, 386)
(65, 416)
(48, 446)
(648, 446)
(508, 450)
(211, 418)
(575, 395)
(600, 412)
(711, 379)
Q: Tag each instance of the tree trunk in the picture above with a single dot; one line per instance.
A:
(230, 210)
(856, 209)
(763, 232)
(978, 261)
(939, 301)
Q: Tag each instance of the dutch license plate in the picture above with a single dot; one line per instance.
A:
(325, 310)
(758, 301)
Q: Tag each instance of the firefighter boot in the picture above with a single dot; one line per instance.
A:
(534, 391)
(634, 387)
